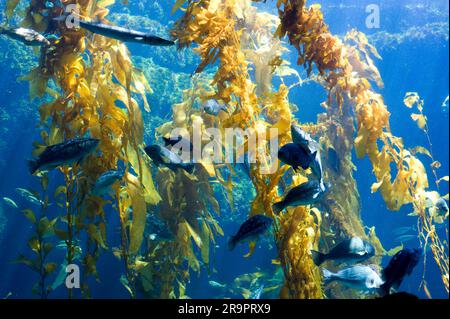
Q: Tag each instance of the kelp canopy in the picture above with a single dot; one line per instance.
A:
(96, 91)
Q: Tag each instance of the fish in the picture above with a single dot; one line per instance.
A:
(405, 238)
(294, 155)
(120, 33)
(333, 160)
(362, 278)
(29, 196)
(403, 230)
(307, 193)
(311, 147)
(67, 153)
(181, 143)
(401, 265)
(353, 250)
(257, 293)
(216, 284)
(441, 207)
(104, 182)
(26, 36)
(213, 107)
(162, 156)
(250, 230)
(10, 202)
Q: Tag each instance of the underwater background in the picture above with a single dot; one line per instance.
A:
(412, 40)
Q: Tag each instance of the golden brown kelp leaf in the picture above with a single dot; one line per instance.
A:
(10, 7)
(139, 213)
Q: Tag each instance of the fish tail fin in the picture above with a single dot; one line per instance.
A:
(327, 276)
(33, 166)
(231, 243)
(318, 257)
(277, 207)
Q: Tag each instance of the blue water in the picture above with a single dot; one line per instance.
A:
(414, 63)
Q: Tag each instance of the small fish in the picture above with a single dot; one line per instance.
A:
(362, 278)
(403, 230)
(401, 265)
(311, 147)
(180, 142)
(353, 250)
(441, 207)
(120, 33)
(29, 196)
(250, 230)
(333, 160)
(26, 36)
(212, 107)
(66, 153)
(10, 202)
(294, 155)
(405, 238)
(163, 156)
(307, 193)
(257, 293)
(216, 284)
(103, 184)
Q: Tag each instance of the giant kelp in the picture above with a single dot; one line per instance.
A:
(96, 84)
(317, 47)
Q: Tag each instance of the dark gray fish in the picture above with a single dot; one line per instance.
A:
(307, 193)
(121, 34)
(212, 107)
(311, 147)
(401, 265)
(294, 155)
(362, 278)
(250, 230)
(180, 142)
(164, 157)
(353, 250)
(26, 36)
(333, 160)
(104, 182)
(66, 153)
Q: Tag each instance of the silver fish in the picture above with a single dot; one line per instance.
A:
(441, 206)
(26, 36)
(352, 250)
(10, 202)
(362, 278)
(212, 107)
(216, 284)
(66, 153)
(257, 293)
(120, 33)
(29, 196)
